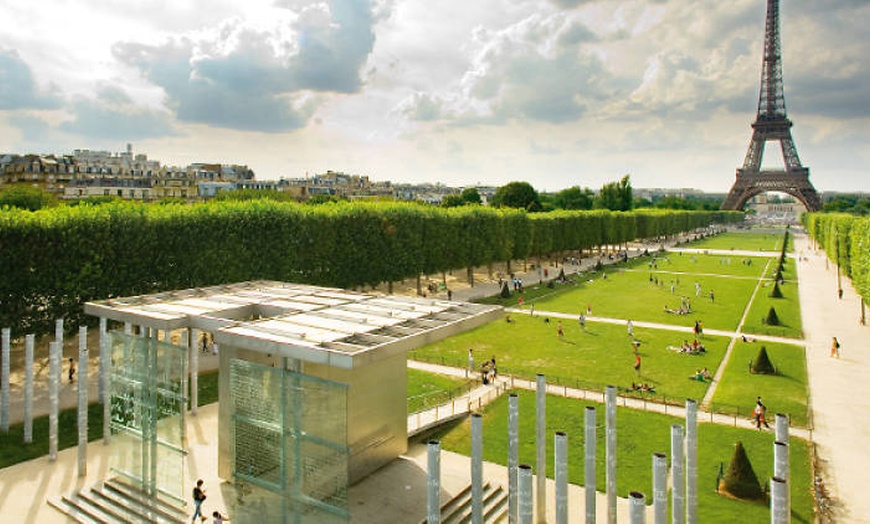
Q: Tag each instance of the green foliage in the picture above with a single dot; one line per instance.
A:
(574, 198)
(776, 292)
(615, 196)
(505, 290)
(852, 204)
(772, 319)
(762, 364)
(56, 259)
(470, 195)
(846, 240)
(254, 194)
(520, 195)
(24, 196)
(740, 480)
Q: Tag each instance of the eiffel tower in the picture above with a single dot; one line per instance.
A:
(771, 124)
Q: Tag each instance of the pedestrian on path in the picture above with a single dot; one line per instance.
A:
(835, 347)
(198, 498)
(630, 328)
(637, 364)
(72, 370)
(759, 412)
(470, 360)
(582, 321)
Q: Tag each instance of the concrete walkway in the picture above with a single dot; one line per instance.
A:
(839, 387)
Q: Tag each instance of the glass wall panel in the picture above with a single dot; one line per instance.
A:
(146, 397)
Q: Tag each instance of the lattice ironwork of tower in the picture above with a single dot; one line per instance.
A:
(771, 123)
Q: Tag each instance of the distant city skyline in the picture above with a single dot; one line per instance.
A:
(554, 92)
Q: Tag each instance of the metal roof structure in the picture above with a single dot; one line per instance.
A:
(329, 326)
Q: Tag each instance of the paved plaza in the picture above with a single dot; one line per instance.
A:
(840, 397)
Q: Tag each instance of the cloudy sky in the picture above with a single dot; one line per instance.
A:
(553, 92)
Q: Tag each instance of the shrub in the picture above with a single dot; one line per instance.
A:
(772, 319)
(505, 290)
(776, 292)
(762, 364)
(740, 480)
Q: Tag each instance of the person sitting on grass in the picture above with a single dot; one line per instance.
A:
(706, 374)
(699, 376)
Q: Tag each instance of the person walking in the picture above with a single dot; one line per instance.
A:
(470, 360)
(582, 321)
(198, 498)
(637, 364)
(630, 328)
(835, 347)
(72, 370)
(559, 330)
(759, 412)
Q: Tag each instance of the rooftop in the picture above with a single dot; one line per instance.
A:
(330, 326)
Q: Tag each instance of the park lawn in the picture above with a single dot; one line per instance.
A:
(755, 240)
(600, 356)
(428, 389)
(631, 295)
(701, 264)
(782, 393)
(639, 435)
(788, 310)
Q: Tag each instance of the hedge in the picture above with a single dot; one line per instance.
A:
(846, 241)
(53, 260)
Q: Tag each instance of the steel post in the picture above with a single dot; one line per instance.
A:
(477, 468)
(589, 464)
(636, 508)
(660, 488)
(691, 461)
(678, 479)
(525, 502)
(82, 389)
(560, 446)
(513, 454)
(610, 452)
(541, 441)
(29, 347)
(433, 514)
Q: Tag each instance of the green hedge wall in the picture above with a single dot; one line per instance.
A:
(844, 238)
(54, 260)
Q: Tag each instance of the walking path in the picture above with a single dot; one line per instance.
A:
(505, 383)
(840, 391)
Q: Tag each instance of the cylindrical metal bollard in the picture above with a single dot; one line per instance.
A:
(678, 479)
(541, 441)
(781, 427)
(53, 397)
(433, 512)
(660, 488)
(610, 453)
(560, 455)
(82, 389)
(691, 461)
(194, 370)
(29, 347)
(526, 505)
(477, 468)
(589, 464)
(5, 354)
(781, 469)
(779, 512)
(636, 508)
(513, 454)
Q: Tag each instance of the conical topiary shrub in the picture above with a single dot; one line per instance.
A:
(776, 292)
(762, 364)
(740, 480)
(772, 319)
(505, 290)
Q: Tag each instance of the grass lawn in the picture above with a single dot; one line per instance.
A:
(639, 435)
(592, 359)
(608, 298)
(787, 308)
(428, 389)
(755, 240)
(783, 393)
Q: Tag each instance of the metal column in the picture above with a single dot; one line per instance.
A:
(561, 473)
(513, 454)
(4, 381)
(678, 479)
(433, 513)
(660, 488)
(610, 452)
(526, 504)
(476, 468)
(541, 441)
(636, 508)
(29, 346)
(53, 391)
(691, 461)
(82, 389)
(589, 464)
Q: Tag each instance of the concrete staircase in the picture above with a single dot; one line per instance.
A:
(458, 509)
(114, 501)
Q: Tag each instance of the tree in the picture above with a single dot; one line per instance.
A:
(615, 196)
(517, 195)
(27, 197)
(452, 201)
(574, 198)
(470, 195)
